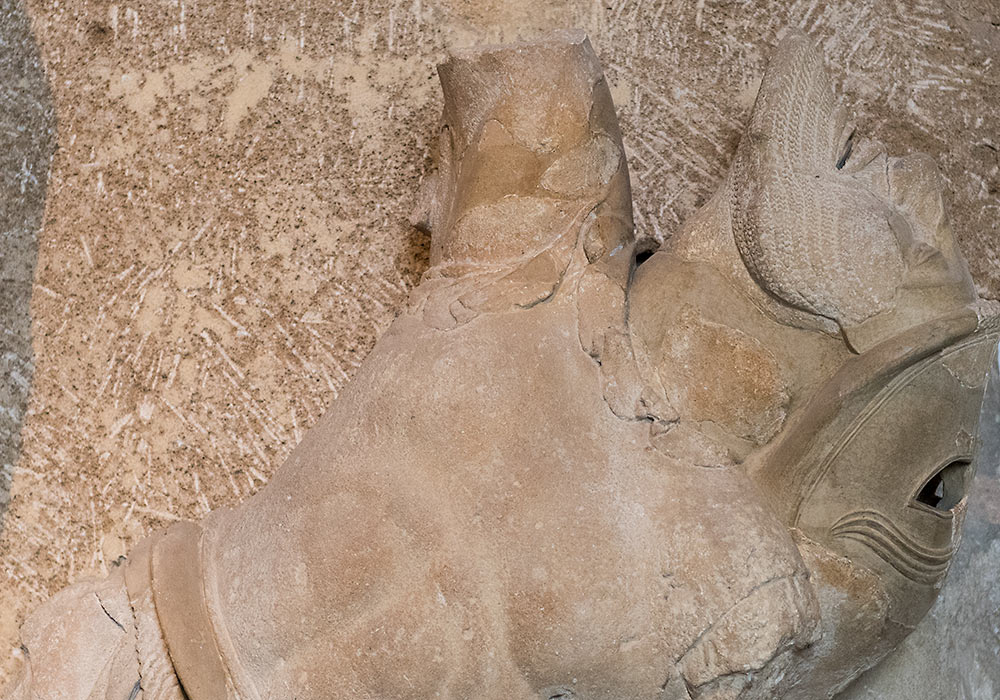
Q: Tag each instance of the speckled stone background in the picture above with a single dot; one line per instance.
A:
(225, 234)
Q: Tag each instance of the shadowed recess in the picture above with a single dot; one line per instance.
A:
(27, 140)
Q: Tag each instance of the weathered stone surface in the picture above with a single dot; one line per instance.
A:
(226, 225)
(519, 495)
(953, 653)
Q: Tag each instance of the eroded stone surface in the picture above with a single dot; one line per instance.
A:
(520, 495)
(280, 114)
(953, 652)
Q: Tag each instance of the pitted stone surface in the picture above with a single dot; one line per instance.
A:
(226, 226)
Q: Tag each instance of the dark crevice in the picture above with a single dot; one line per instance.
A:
(946, 488)
(560, 694)
(848, 147)
(933, 492)
(110, 617)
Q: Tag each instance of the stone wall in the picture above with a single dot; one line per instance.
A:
(225, 226)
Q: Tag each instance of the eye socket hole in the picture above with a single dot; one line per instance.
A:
(947, 487)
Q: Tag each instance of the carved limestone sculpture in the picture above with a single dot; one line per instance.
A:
(735, 471)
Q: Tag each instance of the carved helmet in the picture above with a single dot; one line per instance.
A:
(876, 464)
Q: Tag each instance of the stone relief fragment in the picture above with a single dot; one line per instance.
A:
(735, 471)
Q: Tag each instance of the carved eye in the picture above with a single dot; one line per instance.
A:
(947, 487)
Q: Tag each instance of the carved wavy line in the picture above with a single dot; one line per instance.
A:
(895, 558)
(873, 520)
(913, 560)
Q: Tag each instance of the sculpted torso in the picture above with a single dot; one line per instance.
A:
(530, 540)
(560, 475)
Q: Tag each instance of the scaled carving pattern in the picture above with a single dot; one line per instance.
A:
(738, 470)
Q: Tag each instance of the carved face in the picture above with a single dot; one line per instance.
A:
(813, 328)
(816, 319)
(886, 481)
